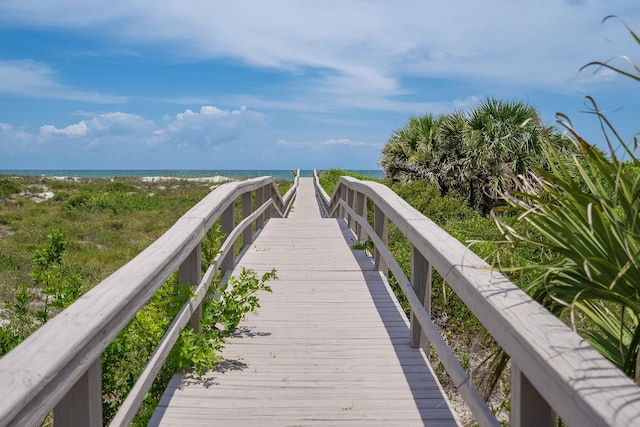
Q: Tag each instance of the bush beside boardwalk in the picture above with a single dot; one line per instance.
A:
(72, 240)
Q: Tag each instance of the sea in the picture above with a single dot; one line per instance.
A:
(177, 173)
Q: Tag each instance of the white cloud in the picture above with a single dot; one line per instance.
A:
(102, 125)
(347, 48)
(210, 137)
(211, 125)
(14, 140)
(121, 133)
(37, 80)
(79, 129)
(9, 132)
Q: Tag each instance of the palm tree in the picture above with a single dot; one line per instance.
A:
(503, 140)
(451, 171)
(395, 158)
(476, 154)
(409, 153)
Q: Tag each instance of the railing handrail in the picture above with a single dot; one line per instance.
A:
(578, 383)
(39, 372)
(288, 198)
(322, 195)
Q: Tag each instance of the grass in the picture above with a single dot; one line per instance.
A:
(105, 222)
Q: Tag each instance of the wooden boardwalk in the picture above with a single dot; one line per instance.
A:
(329, 346)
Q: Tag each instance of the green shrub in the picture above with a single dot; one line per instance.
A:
(329, 178)
(584, 215)
(426, 198)
(9, 187)
(59, 286)
(116, 202)
(591, 236)
(78, 201)
(118, 187)
(125, 358)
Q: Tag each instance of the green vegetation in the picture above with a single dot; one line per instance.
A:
(105, 224)
(125, 358)
(52, 251)
(329, 178)
(471, 153)
(8, 187)
(584, 214)
(59, 286)
(591, 237)
(220, 318)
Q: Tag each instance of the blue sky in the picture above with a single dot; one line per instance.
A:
(201, 84)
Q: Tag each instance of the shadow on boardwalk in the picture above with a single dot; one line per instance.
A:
(329, 346)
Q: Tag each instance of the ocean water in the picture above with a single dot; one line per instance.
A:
(238, 174)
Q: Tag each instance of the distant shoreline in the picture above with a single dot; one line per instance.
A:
(218, 179)
(212, 174)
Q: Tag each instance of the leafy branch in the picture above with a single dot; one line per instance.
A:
(220, 318)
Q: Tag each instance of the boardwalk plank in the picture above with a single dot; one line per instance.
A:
(329, 346)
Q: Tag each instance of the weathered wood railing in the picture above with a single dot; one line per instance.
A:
(59, 366)
(554, 371)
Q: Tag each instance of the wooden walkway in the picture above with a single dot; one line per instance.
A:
(329, 346)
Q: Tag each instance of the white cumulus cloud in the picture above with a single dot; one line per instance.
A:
(121, 133)
(102, 125)
(210, 125)
(78, 129)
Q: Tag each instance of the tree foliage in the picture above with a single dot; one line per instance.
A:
(475, 153)
(586, 216)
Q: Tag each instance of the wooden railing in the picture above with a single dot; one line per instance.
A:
(554, 371)
(59, 366)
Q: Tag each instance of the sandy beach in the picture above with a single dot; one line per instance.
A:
(213, 179)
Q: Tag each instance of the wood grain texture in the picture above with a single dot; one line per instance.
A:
(329, 346)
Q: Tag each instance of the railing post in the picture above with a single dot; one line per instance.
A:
(82, 405)
(247, 234)
(344, 191)
(190, 272)
(226, 222)
(350, 201)
(421, 282)
(361, 209)
(339, 194)
(528, 407)
(265, 198)
(259, 202)
(380, 227)
(271, 194)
